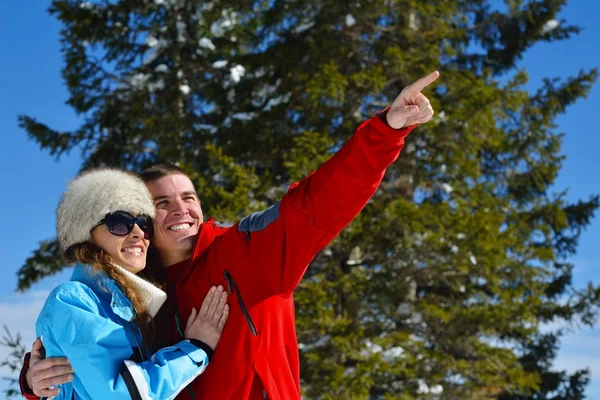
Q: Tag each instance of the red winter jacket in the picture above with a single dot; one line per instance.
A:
(261, 260)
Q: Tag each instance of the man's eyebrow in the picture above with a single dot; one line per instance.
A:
(188, 192)
(163, 197)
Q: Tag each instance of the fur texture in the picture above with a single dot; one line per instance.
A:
(91, 196)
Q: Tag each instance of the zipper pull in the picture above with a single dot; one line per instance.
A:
(228, 279)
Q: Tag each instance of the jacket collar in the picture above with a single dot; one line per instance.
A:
(106, 287)
(209, 230)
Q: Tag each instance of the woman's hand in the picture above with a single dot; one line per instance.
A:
(207, 324)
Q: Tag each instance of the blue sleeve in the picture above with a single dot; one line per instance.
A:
(99, 350)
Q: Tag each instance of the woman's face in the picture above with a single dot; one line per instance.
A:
(127, 251)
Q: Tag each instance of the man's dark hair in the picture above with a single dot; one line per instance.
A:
(161, 170)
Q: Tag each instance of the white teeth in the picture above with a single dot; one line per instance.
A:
(180, 227)
(132, 250)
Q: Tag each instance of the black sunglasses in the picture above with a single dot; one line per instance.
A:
(120, 223)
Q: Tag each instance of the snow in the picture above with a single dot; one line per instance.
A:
(454, 249)
(220, 63)
(237, 72)
(370, 348)
(161, 68)
(473, 259)
(461, 236)
(443, 168)
(441, 116)
(436, 389)
(550, 26)
(158, 85)
(139, 79)
(260, 72)
(181, 26)
(412, 21)
(260, 95)
(277, 100)
(185, 89)
(86, 5)
(321, 342)
(207, 127)
(247, 116)
(418, 238)
(206, 43)
(207, 6)
(416, 318)
(304, 27)
(151, 41)
(222, 25)
(159, 2)
(350, 20)
(423, 388)
(391, 354)
(447, 188)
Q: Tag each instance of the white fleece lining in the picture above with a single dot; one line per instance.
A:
(138, 379)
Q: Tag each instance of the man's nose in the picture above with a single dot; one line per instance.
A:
(179, 208)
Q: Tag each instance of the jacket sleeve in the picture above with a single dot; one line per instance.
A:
(99, 351)
(279, 243)
(25, 389)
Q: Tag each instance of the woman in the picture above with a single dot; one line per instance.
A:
(101, 318)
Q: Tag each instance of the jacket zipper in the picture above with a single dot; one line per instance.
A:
(133, 332)
(230, 283)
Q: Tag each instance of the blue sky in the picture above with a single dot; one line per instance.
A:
(30, 83)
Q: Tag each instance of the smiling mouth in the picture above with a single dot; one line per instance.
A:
(180, 227)
(132, 250)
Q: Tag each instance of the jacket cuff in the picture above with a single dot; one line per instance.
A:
(195, 353)
(201, 345)
(26, 391)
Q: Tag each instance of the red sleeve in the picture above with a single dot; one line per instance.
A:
(25, 389)
(275, 247)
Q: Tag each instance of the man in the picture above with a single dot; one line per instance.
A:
(263, 257)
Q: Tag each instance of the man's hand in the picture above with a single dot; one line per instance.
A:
(44, 373)
(411, 106)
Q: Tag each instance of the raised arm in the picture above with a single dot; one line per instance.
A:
(281, 241)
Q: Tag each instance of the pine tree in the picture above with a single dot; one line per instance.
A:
(442, 284)
(13, 361)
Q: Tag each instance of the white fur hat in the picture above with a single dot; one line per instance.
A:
(92, 195)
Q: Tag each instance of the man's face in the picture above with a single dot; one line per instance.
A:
(178, 214)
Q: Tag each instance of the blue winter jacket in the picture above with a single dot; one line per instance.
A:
(88, 320)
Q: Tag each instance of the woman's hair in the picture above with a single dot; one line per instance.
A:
(101, 261)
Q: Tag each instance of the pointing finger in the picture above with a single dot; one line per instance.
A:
(422, 83)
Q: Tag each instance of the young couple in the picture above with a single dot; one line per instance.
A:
(111, 331)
